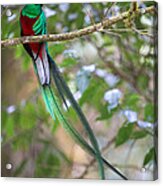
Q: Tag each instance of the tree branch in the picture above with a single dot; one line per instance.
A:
(75, 34)
(118, 71)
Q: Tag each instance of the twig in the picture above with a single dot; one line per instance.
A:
(74, 34)
(90, 15)
(111, 33)
(142, 33)
(139, 31)
(109, 9)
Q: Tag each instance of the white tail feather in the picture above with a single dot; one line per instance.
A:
(42, 67)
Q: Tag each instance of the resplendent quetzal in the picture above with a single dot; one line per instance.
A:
(33, 22)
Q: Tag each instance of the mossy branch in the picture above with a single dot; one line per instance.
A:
(105, 24)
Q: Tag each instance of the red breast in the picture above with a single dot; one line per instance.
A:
(27, 30)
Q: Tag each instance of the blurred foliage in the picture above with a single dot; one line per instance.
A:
(92, 81)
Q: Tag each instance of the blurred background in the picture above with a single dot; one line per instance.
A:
(112, 75)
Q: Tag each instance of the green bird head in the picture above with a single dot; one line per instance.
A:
(32, 10)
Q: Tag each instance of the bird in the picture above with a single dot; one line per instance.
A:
(33, 23)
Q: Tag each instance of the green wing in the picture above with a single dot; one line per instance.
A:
(39, 27)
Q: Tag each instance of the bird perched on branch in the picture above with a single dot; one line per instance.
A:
(33, 22)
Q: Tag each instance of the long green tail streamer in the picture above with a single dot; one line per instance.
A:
(65, 88)
(84, 122)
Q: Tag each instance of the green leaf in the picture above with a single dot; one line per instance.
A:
(104, 113)
(99, 87)
(57, 48)
(124, 134)
(131, 101)
(149, 156)
(149, 112)
(10, 126)
(143, 81)
(139, 134)
(68, 62)
(80, 19)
